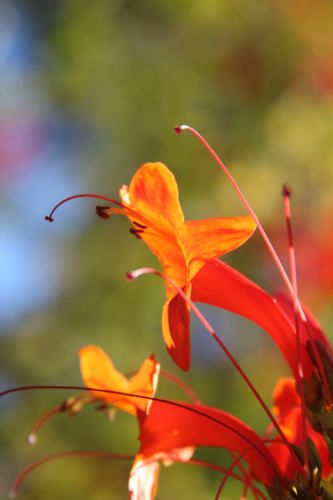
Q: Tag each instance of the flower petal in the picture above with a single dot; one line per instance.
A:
(176, 331)
(220, 285)
(143, 479)
(144, 383)
(203, 240)
(98, 371)
(153, 192)
(170, 427)
(285, 396)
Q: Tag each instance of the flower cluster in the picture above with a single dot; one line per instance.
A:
(297, 462)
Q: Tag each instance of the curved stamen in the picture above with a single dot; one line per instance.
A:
(65, 454)
(98, 196)
(236, 461)
(247, 477)
(209, 465)
(247, 205)
(160, 400)
(134, 274)
(40, 422)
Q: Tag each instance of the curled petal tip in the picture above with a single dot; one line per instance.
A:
(32, 439)
(47, 217)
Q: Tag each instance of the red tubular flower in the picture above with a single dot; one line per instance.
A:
(170, 432)
(220, 285)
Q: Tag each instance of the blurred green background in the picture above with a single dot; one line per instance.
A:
(89, 92)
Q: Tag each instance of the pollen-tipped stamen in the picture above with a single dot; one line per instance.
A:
(33, 433)
(99, 208)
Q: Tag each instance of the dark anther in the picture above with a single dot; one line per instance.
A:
(139, 225)
(177, 129)
(136, 232)
(100, 211)
(47, 217)
(286, 191)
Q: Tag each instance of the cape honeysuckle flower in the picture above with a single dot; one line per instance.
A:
(183, 248)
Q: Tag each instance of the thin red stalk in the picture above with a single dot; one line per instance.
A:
(246, 487)
(201, 463)
(247, 478)
(134, 274)
(270, 247)
(244, 200)
(40, 422)
(188, 391)
(236, 461)
(270, 428)
(292, 261)
(182, 385)
(172, 403)
(65, 454)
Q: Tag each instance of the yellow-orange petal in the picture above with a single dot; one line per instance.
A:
(153, 193)
(176, 331)
(144, 383)
(170, 255)
(204, 240)
(99, 372)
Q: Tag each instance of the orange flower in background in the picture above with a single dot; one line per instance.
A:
(183, 248)
(98, 371)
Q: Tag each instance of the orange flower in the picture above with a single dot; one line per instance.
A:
(98, 371)
(183, 248)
